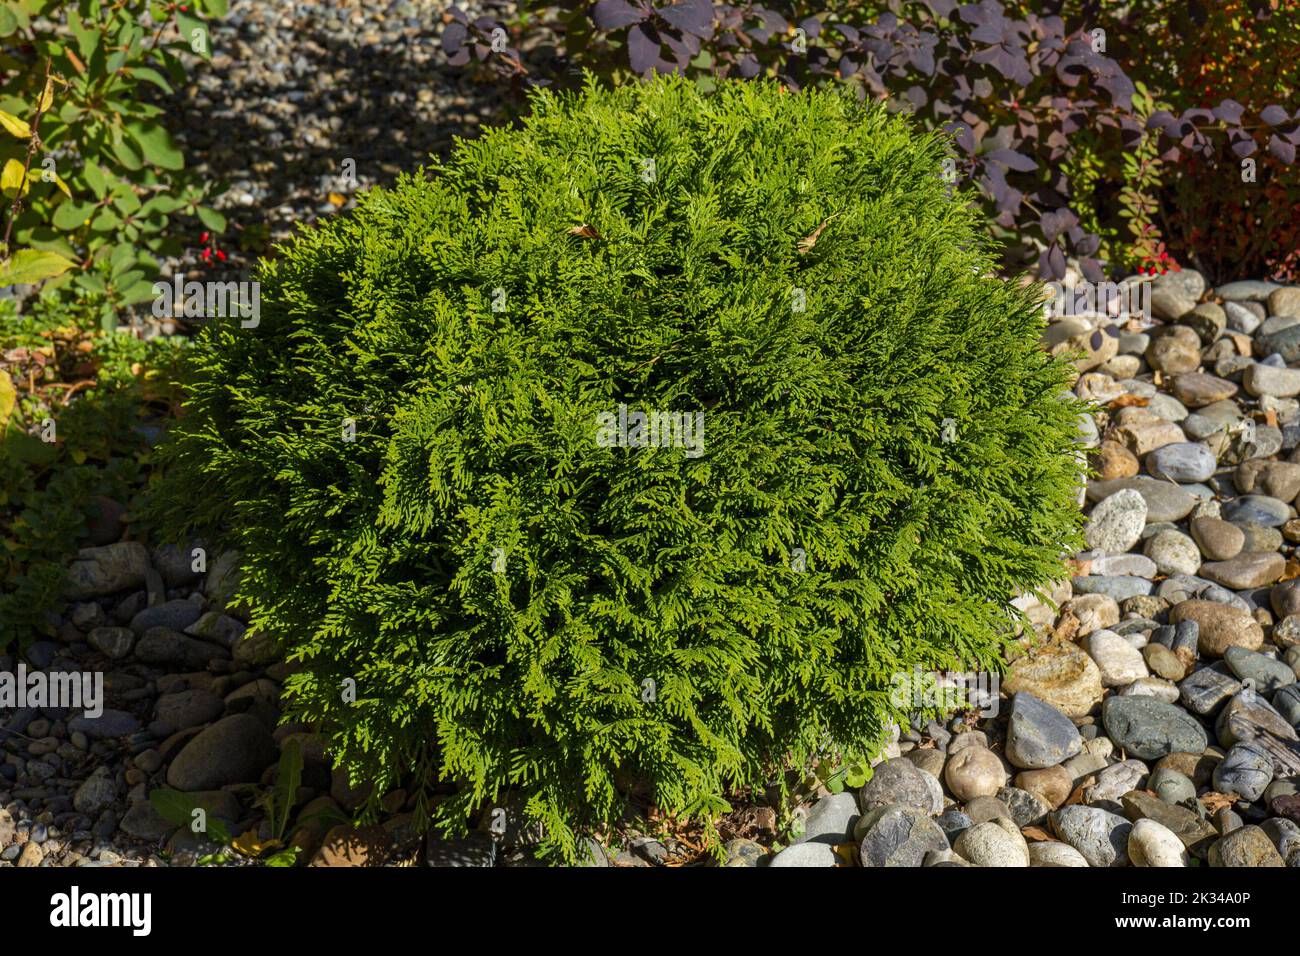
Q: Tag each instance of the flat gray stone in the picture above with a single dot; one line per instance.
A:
(1150, 729)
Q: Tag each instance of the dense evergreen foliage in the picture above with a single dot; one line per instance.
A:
(886, 453)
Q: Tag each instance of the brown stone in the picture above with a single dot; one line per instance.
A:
(1174, 350)
(1143, 437)
(1218, 540)
(1060, 674)
(1163, 662)
(1053, 784)
(1198, 767)
(1220, 626)
(1252, 569)
(346, 845)
(1113, 460)
(1197, 389)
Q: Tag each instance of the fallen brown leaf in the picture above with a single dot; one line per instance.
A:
(1129, 401)
(1077, 795)
(1037, 834)
(1214, 802)
(1066, 627)
(586, 231)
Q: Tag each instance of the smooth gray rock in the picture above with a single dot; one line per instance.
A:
(176, 563)
(1257, 509)
(236, 749)
(831, 819)
(188, 708)
(1121, 587)
(1172, 787)
(109, 724)
(174, 615)
(1100, 836)
(1245, 770)
(1150, 729)
(1287, 703)
(1268, 673)
(1182, 461)
(900, 782)
(1246, 290)
(898, 836)
(161, 645)
(1206, 690)
(1039, 735)
(106, 570)
(114, 642)
(1165, 501)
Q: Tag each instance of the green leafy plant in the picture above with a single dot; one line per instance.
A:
(92, 176)
(487, 589)
(74, 407)
(277, 802)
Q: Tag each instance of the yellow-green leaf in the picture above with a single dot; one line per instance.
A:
(33, 265)
(250, 844)
(7, 399)
(13, 178)
(15, 124)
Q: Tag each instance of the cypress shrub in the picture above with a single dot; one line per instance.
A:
(429, 452)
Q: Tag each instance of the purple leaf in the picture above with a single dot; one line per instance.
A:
(1273, 115)
(691, 16)
(747, 67)
(1050, 223)
(1051, 264)
(642, 48)
(1229, 111)
(613, 14)
(1160, 119)
(453, 38)
(1281, 149)
(962, 135)
(1011, 159)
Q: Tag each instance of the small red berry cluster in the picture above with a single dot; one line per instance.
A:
(211, 254)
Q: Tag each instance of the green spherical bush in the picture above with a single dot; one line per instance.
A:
(633, 451)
